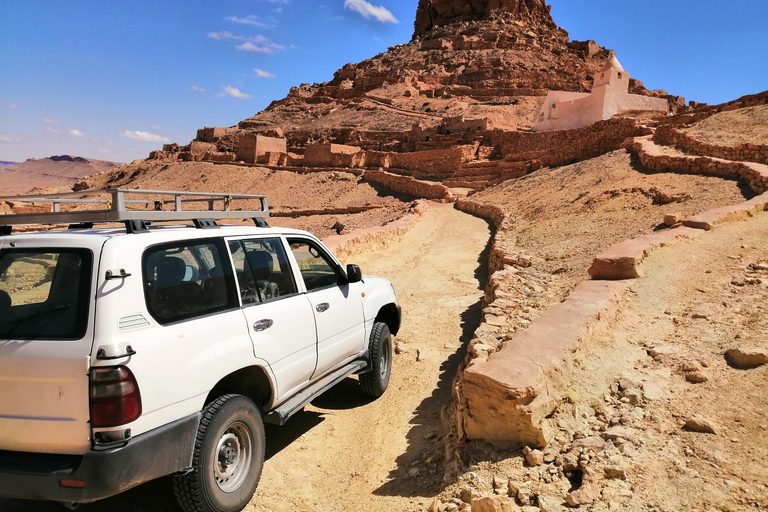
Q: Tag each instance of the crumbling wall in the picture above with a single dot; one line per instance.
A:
(330, 155)
(667, 134)
(208, 134)
(753, 174)
(250, 147)
(434, 163)
(408, 185)
(562, 147)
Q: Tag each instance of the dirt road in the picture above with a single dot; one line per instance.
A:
(346, 452)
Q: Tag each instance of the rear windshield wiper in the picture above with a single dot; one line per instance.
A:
(41, 313)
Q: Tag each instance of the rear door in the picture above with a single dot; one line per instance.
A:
(46, 333)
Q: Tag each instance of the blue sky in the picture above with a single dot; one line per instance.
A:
(115, 80)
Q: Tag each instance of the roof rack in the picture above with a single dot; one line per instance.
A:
(161, 206)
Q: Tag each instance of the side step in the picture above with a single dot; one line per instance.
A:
(280, 415)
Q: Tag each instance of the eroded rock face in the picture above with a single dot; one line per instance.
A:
(436, 13)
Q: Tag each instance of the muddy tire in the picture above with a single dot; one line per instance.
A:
(228, 458)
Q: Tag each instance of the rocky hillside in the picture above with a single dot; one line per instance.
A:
(493, 59)
(58, 172)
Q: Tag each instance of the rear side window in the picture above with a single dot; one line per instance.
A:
(44, 293)
(188, 279)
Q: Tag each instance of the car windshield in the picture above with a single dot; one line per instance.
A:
(44, 293)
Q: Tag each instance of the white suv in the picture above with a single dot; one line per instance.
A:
(133, 352)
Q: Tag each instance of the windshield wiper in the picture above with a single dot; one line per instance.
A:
(42, 312)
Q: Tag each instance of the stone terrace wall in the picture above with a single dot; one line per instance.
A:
(753, 174)
(743, 152)
(560, 147)
(431, 163)
(408, 185)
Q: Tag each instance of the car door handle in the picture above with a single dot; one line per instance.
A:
(323, 306)
(262, 325)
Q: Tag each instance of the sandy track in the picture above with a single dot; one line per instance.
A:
(346, 452)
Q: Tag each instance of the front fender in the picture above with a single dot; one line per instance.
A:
(380, 303)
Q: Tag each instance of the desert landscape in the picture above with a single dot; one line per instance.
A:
(584, 308)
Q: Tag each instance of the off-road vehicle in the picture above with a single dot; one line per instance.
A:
(133, 350)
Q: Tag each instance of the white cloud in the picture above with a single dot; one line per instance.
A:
(144, 136)
(11, 138)
(367, 10)
(13, 105)
(73, 132)
(250, 20)
(228, 90)
(197, 89)
(225, 36)
(263, 74)
(51, 121)
(256, 44)
(260, 44)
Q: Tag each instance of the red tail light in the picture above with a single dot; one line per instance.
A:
(115, 397)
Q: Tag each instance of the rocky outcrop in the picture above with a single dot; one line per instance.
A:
(437, 13)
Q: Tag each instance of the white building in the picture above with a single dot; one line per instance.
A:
(610, 96)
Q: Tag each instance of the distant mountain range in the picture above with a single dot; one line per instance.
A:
(55, 172)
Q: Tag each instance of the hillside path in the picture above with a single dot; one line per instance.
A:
(346, 452)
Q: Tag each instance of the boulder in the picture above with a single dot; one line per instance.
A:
(747, 357)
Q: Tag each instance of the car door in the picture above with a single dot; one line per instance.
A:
(279, 319)
(336, 305)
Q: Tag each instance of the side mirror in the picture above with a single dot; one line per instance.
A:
(354, 275)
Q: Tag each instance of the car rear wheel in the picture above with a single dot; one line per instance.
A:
(228, 458)
(375, 382)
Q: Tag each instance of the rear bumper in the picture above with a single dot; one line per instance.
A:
(157, 453)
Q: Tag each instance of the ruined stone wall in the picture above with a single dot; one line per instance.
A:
(561, 147)
(753, 174)
(196, 147)
(408, 185)
(436, 163)
(208, 134)
(743, 152)
(250, 147)
(330, 155)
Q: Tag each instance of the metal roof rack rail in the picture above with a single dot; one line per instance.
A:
(160, 206)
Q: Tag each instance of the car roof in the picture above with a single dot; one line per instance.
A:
(156, 233)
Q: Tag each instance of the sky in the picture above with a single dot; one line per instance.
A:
(115, 80)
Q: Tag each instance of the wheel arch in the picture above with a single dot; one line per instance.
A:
(390, 314)
(252, 382)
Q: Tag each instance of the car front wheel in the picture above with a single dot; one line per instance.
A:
(375, 382)
(228, 458)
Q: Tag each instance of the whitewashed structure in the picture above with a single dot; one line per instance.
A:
(610, 96)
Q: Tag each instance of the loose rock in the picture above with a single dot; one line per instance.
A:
(747, 357)
(700, 424)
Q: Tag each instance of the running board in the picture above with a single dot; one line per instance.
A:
(280, 415)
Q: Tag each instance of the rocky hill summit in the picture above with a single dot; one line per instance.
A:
(436, 13)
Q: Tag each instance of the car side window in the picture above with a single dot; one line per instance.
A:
(317, 269)
(188, 279)
(262, 268)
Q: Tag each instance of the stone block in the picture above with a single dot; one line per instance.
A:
(622, 260)
(731, 213)
(508, 397)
